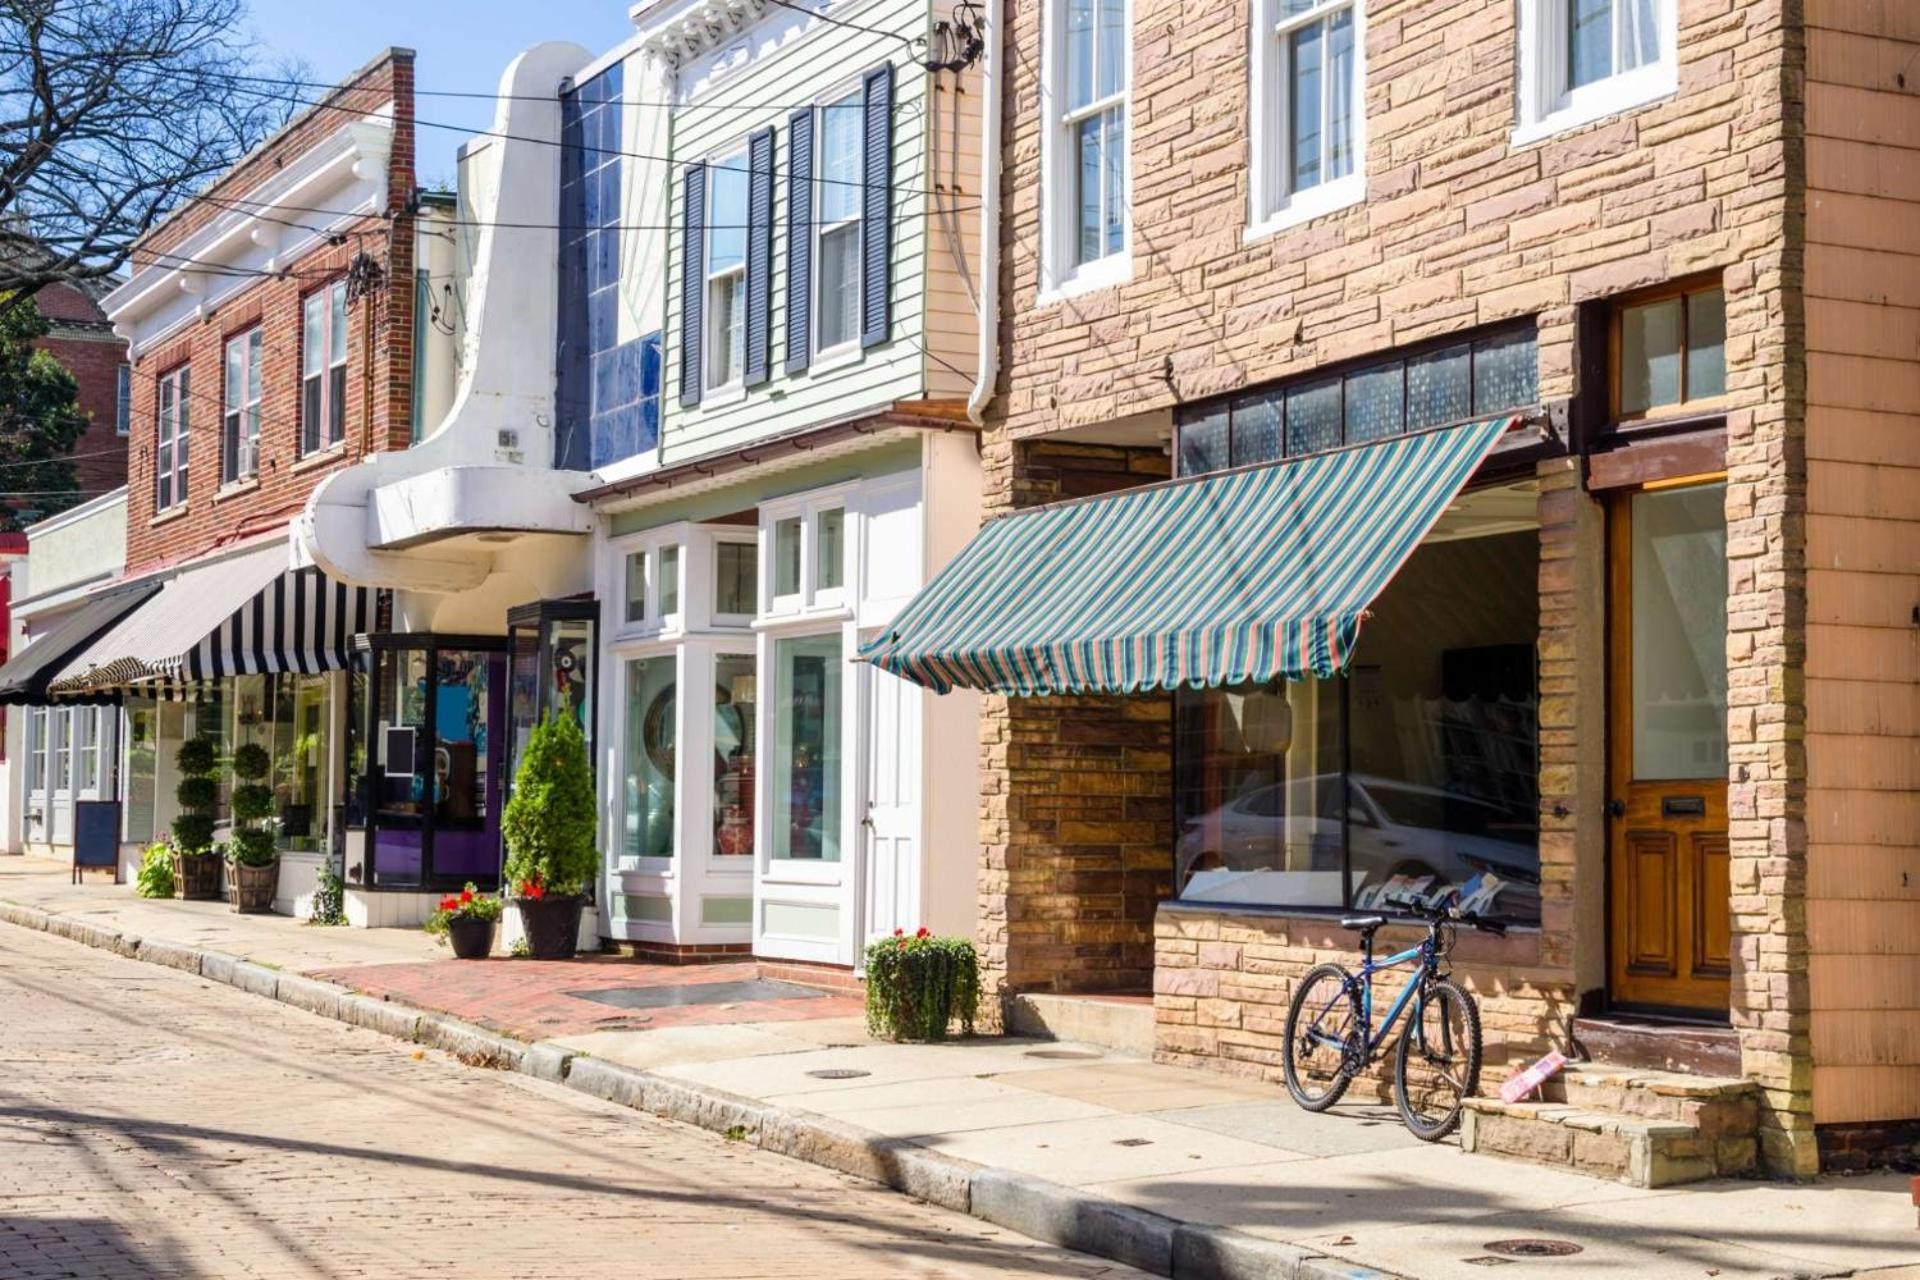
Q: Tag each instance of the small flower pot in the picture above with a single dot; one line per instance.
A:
(254, 887)
(198, 875)
(471, 939)
(552, 924)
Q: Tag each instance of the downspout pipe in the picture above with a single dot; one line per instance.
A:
(987, 358)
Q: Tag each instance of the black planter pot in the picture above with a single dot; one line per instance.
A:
(552, 924)
(471, 939)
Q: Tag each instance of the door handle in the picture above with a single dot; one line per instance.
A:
(1616, 808)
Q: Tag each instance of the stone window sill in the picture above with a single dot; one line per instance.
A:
(236, 488)
(324, 458)
(176, 512)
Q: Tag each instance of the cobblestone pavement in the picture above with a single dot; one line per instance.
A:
(156, 1125)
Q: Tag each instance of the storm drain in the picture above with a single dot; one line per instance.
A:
(838, 1073)
(1532, 1248)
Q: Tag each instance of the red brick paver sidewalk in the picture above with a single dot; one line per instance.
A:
(530, 998)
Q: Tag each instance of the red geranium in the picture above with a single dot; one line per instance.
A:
(466, 895)
(922, 932)
(533, 888)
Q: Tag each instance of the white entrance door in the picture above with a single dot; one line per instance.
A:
(891, 829)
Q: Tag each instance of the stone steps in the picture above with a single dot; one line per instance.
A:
(1643, 1128)
(1121, 1023)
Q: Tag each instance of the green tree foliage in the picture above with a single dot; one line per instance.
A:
(193, 829)
(39, 422)
(549, 824)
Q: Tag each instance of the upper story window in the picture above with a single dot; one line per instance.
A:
(736, 574)
(1669, 349)
(323, 368)
(1309, 108)
(240, 423)
(172, 394)
(122, 399)
(842, 132)
(1448, 381)
(636, 593)
(726, 271)
(1087, 184)
(1582, 60)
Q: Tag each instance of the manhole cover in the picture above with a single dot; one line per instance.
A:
(1133, 1142)
(1062, 1055)
(747, 992)
(1532, 1248)
(838, 1073)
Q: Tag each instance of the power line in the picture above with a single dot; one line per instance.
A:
(910, 42)
(65, 457)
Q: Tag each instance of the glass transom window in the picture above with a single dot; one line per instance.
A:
(1672, 349)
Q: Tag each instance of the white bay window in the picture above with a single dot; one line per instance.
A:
(1309, 109)
(1584, 60)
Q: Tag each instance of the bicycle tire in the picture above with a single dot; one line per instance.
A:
(1293, 1069)
(1468, 1081)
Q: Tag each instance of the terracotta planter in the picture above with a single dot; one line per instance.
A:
(254, 887)
(471, 939)
(198, 876)
(552, 925)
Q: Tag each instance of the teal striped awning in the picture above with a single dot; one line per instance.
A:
(1246, 575)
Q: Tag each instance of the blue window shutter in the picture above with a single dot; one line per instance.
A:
(693, 290)
(799, 239)
(876, 208)
(759, 256)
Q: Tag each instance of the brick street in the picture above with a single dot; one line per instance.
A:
(156, 1125)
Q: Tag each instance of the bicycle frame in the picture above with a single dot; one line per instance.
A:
(1426, 952)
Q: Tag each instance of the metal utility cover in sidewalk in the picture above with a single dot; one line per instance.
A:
(698, 993)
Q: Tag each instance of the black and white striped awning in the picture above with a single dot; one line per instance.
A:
(241, 615)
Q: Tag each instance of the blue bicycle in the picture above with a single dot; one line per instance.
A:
(1331, 1037)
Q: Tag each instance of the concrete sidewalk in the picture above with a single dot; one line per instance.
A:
(1173, 1170)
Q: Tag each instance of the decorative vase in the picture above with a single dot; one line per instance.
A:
(198, 875)
(471, 939)
(254, 887)
(552, 924)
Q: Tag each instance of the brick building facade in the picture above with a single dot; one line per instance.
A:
(82, 340)
(1476, 197)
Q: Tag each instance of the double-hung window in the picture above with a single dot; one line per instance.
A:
(841, 133)
(1582, 60)
(1309, 108)
(240, 424)
(726, 271)
(122, 399)
(1087, 179)
(172, 394)
(323, 368)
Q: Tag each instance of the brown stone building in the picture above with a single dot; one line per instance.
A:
(1648, 686)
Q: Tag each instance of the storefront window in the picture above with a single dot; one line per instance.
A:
(401, 761)
(806, 748)
(62, 758)
(142, 726)
(652, 735)
(669, 581)
(300, 751)
(1416, 775)
(465, 826)
(733, 743)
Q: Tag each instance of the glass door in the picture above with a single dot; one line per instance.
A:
(399, 767)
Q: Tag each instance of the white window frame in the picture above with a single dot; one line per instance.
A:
(735, 379)
(244, 463)
(1547, 106)
(322, 438)
(39, 745)
(847, 349)
(1060, 276)
(811, 600)
(1271, 205)
(122, 399)
(171, 433)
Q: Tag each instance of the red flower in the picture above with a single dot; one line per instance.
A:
(449, 904)
(466, 895)
(534, 889)
(899, 933)
(921, 932)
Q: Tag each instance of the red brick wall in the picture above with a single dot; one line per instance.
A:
(85, 345)
(379, 345)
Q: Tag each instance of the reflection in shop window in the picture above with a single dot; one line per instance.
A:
(806, 748)
(1437, 727)
(733, 743)
(829, 529)
(652, 735)
(141, 721)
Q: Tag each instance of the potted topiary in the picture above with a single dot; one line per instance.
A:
(256, 862)
(918, 986)
(466, 921)
(549, 827)
(196, 867)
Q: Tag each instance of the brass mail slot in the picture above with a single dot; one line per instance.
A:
(1683, 807)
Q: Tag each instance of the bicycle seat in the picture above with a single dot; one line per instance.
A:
(1366, 924)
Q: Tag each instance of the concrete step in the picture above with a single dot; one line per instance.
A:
(1643, 1128)
(1122, 1023)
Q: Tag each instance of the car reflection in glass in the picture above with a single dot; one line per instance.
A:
(1279, 844)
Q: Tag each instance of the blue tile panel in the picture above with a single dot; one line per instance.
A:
(607, 397)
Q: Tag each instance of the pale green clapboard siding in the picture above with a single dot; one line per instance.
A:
(826, 59)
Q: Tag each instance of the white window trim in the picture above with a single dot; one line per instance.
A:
(1060, 278)
(811, 602)
(232, 470)
(1269, 208)
(653, 624)
(718, 393)
(1545, 107)
(175, 437)
(849, 350)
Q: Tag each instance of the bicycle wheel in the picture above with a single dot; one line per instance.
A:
(1437, 1066)
(1323, 1035)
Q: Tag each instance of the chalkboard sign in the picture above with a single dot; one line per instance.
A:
(96, 836)
(399, 753)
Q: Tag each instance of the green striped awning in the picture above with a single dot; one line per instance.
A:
(1246, 575)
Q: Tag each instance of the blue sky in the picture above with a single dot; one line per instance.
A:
(462, 45)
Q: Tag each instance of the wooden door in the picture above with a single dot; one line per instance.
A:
(1670, 937)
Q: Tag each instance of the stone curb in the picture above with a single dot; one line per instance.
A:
(1033, 1207)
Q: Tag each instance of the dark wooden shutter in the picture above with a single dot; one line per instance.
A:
(759, 256)
(693, 279)
(876, 208)
(799, 239)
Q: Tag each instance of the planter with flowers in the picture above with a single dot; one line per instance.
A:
(466, 922)
(549, 827)
(919, 986)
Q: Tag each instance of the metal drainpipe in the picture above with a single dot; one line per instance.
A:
(987, 357)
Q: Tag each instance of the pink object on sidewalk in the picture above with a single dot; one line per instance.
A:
(1533, 1077)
